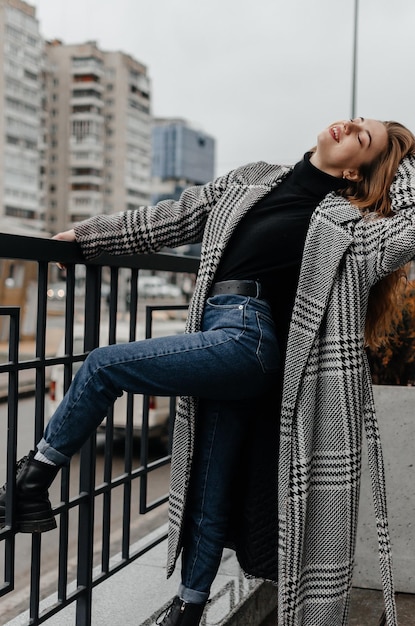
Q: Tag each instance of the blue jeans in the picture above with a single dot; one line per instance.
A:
(230, 362)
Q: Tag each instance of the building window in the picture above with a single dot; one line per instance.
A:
(84, 108)
(84, 187)
(85, 171)
(85, 93)
(85, 78)
(30, 75)
(14, 141)
(83, 61)
(18, 212)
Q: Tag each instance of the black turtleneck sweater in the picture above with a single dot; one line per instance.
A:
(267, 245)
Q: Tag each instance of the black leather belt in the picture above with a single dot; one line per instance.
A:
(250, 288)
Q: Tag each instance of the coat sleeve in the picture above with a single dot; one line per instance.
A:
(169, 223)
(388, 243)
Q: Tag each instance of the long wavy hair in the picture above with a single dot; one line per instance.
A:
(371, 195)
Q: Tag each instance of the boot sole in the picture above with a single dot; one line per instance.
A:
(40, 526)
(33, 526)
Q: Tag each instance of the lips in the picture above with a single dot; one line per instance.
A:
(335, 133)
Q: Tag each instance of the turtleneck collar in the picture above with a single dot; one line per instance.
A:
(315, 181)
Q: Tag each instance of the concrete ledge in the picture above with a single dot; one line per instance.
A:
(395, 412)
(255, 607)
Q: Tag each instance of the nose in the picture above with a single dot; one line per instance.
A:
(350, 126)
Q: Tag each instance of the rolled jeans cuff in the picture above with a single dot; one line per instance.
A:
(192, 596)
(50, 453)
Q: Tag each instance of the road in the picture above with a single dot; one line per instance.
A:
(17, 601)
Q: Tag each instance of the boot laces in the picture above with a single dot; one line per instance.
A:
(166, 612)
(20, 463)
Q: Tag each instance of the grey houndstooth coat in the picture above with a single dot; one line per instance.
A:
(327, 394)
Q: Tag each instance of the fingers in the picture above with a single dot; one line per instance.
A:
(67, 235)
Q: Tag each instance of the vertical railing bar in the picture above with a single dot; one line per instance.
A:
(113, 304)
(69, 307)
(128, 462)
(35, 578)
(41, 351)
(40, 388)
(63, 536)
(12, 417)
(144, 432)
(87, 460)
(107, 496)
(66, 471)
(133, 303)
(109, 432)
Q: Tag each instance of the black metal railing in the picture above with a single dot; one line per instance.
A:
(88, 304)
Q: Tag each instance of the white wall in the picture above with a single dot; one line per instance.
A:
(396, 416)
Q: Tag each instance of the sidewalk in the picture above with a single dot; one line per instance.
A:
(137, 594)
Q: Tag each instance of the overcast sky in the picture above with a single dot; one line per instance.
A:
(262, 77)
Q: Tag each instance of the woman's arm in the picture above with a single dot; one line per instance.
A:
(170, 223)
(390, 242)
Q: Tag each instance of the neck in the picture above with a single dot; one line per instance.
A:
(316, 161)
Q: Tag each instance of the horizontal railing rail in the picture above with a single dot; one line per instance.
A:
(99, 316)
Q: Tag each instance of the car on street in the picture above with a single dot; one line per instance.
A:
(155, 287)
(56, 291)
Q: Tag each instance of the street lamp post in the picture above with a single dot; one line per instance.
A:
(354, 70)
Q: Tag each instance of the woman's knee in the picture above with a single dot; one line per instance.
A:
(99, 358)
(97, 368)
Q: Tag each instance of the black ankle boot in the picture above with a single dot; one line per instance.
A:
(181, 613)
(33, 512)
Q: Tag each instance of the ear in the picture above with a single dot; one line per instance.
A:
(353, 175)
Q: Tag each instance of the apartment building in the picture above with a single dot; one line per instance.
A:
(98, 133)
(21, 52)
(183, 155)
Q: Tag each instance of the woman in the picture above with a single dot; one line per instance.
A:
(253, 223)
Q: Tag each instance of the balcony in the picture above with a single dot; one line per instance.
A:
(105, 562)
(86, 97)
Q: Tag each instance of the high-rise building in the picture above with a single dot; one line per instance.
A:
(98, 129)
(21, 53)
(182, 156)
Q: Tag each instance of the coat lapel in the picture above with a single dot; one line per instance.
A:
(328, 238)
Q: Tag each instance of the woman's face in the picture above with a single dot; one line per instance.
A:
(343, 147)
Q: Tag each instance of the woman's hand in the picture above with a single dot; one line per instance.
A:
(67, 235)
